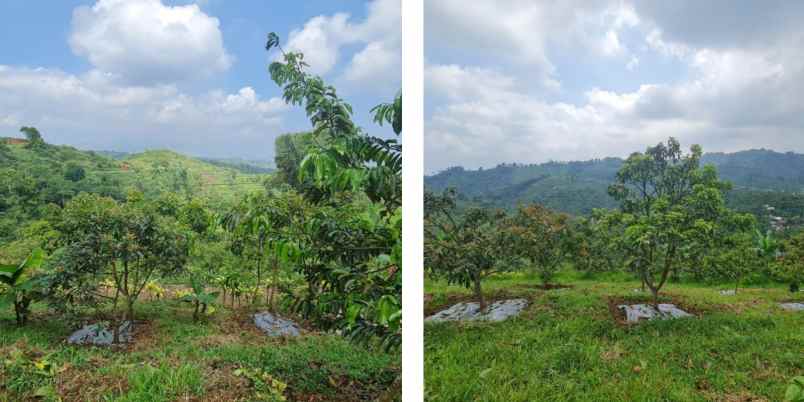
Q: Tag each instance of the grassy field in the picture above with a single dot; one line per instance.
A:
(174, 359)
(568, 346)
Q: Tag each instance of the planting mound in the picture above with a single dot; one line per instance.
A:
(99, 334)
(497, 311)
(792, 306)
(637, 312)
(275, 326)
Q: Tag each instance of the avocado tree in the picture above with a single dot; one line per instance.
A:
(19, 284)
(542, 237)
(674, 204)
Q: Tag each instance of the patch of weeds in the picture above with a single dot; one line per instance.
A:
(163, 383)
(795, 391)
(328, 365)
(28, 374)
(266, 387)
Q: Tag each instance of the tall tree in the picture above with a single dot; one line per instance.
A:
(35, 140)
(674, 203)
(350, 250)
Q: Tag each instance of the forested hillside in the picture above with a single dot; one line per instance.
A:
(35, 176)
(759, 178)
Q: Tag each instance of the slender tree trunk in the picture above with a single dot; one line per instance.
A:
(19, 313)
(195, 312)
(274, 281)
(116, 296)
(479, 294)
(130, 307)
(259, 273)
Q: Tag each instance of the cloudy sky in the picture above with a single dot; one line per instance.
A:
(130, 75)
(531, 81)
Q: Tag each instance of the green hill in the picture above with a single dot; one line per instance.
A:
(760, 177)
(32, 178)
(162, 170)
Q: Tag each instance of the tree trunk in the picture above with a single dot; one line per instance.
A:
(116, 296)
(479, 294)
(195, 312)
(655, 292)
(130, 308)
(19, 313)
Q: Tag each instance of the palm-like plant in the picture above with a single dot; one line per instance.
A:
(20, 284)
(765, 245)
(200, 298)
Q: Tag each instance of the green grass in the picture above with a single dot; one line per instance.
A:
(566, 346)
(176, 359)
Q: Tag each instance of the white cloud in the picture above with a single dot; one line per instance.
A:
(457, 83)
(323, 38)
(722, 89)
(146, 42)
(633, 63)
(611, 45)
(93, 111)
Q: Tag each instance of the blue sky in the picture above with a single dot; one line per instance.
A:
(130, 75)
(533, 81)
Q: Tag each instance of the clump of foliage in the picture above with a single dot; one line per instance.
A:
(542, 237)
(74, 172)
(35, 140)
(200, 298)
(349, 251)
(25, 373)
(791, 266)
(267, 387)
(596, 243)
(20, 287)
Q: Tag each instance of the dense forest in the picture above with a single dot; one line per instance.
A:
(760, 179)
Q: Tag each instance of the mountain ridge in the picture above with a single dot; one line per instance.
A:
(760, 177)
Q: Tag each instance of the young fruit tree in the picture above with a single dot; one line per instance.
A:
(595, 244)
(465, 248)
(674, 204)
(129, 243)
(543, 238)
(199, 298)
